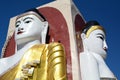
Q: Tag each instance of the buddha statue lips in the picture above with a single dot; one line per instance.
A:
(105, 49)
(20, 32)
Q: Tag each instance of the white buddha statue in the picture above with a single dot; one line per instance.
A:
(33, 60)
(92, 64)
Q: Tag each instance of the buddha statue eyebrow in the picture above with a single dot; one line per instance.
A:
(18, 22)
(101, 35)
(28, 18)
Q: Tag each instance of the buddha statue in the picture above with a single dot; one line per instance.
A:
(33, 59)
(92, 59)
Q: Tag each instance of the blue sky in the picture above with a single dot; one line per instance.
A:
(106, 12)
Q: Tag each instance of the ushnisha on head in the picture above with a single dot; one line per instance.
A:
(94, 38)
(30, 26)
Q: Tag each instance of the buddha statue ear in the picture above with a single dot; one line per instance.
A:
(44, 32)
(83, 36)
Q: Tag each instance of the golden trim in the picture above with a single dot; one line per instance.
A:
(94, 28)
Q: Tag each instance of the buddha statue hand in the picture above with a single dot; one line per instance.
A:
(28, 70)
(33, 63)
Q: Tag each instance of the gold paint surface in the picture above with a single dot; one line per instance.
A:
(41, 62)
(94, 28)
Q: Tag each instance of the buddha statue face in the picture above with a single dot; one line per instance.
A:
(94, 40)
(30, 27)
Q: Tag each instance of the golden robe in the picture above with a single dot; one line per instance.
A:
(40, 62)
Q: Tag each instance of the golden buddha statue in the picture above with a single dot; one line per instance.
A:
(33, 59)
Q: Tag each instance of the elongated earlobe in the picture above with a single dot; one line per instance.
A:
(45, 24)
(44, 32)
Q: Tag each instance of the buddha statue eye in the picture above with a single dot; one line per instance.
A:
(17, 24)
(28, 21)
(101, 37)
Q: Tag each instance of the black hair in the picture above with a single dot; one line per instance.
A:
(36, 11)
(88, 25)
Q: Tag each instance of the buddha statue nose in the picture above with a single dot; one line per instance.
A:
(105, 47)
(20, 29)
